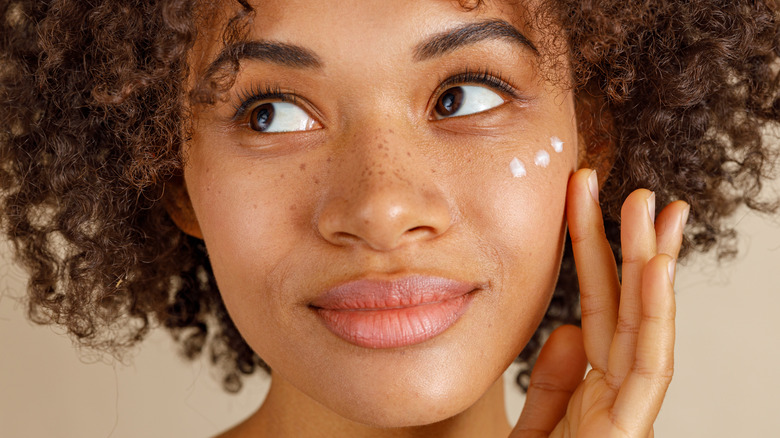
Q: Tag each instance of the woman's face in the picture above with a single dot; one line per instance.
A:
(359, 190)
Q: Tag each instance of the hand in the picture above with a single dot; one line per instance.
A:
(627, 330)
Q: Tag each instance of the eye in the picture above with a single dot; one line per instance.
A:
(464, 100)
(280, 117)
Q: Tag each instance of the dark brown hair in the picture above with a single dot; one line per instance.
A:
(93, 114)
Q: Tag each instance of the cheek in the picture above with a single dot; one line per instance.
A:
(521, 197)
(521, 218)
(248, 220)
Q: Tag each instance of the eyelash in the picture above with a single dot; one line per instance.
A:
(484, 77)
(256, 93)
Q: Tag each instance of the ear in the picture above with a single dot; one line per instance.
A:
(179, 207)
(597, 147)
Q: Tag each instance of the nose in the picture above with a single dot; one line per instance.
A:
(382, 195)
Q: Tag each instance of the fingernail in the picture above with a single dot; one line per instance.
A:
(671, 267)
(593, 185)
(684, 217)
(651, 206)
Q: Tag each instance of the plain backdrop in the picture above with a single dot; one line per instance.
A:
(726, 384)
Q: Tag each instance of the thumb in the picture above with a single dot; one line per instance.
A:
(557, 373)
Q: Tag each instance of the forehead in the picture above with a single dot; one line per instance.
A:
(363, 31)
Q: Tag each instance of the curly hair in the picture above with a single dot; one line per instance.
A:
(94, 112)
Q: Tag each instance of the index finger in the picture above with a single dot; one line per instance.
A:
(596, 267)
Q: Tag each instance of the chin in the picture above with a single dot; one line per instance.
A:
(412, 409)
(403, 388)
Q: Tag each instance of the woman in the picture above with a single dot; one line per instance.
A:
(384, 216)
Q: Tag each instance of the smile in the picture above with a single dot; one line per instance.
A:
(390, 314)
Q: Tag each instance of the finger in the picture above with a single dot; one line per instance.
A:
(558, 370)
(643, 390)
(596, 268)
(637, 235)
(669, 228)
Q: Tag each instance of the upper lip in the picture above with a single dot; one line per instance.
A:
(370, 294)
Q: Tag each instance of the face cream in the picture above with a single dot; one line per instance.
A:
(542, 159)
(556, 144)
(517, 168)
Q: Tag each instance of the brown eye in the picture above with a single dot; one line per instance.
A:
(449, 102)
(465, 100)
(261, 117)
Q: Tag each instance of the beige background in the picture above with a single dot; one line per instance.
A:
(727, 381)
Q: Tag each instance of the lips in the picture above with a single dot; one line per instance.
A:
(397, 313)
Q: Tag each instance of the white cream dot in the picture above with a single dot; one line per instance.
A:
(517, 168)
(556, 144)
(542, 159)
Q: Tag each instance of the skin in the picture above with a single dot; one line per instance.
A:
(380, 189)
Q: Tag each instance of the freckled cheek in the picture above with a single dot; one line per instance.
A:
(245, 223)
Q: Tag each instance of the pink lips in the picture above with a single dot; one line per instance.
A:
(388, 314)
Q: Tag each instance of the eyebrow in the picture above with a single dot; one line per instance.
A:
(283, 54)
(290, 55)
(468, 34)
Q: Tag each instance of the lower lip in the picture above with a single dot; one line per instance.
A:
(395, 327)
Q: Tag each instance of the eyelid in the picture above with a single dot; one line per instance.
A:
(483, 77)
(247, 98)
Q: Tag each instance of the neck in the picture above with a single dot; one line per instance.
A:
(287, 412)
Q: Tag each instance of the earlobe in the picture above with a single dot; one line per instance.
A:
(179, 207)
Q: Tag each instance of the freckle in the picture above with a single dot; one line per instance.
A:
(316, 181)
(433, 170)
(381, 172)
(302, 166)
(330, 159)
(542, 159)
(254, 206)
(281, 176)
(517, 168)
(408, 154)
(293, 207)
(390, 131)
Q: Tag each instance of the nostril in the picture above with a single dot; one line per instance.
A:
(420, 231)
(345, 238)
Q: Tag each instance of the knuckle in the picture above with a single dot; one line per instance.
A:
(626, 326)
(659, 373)
(548, 387)
(594, 308)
